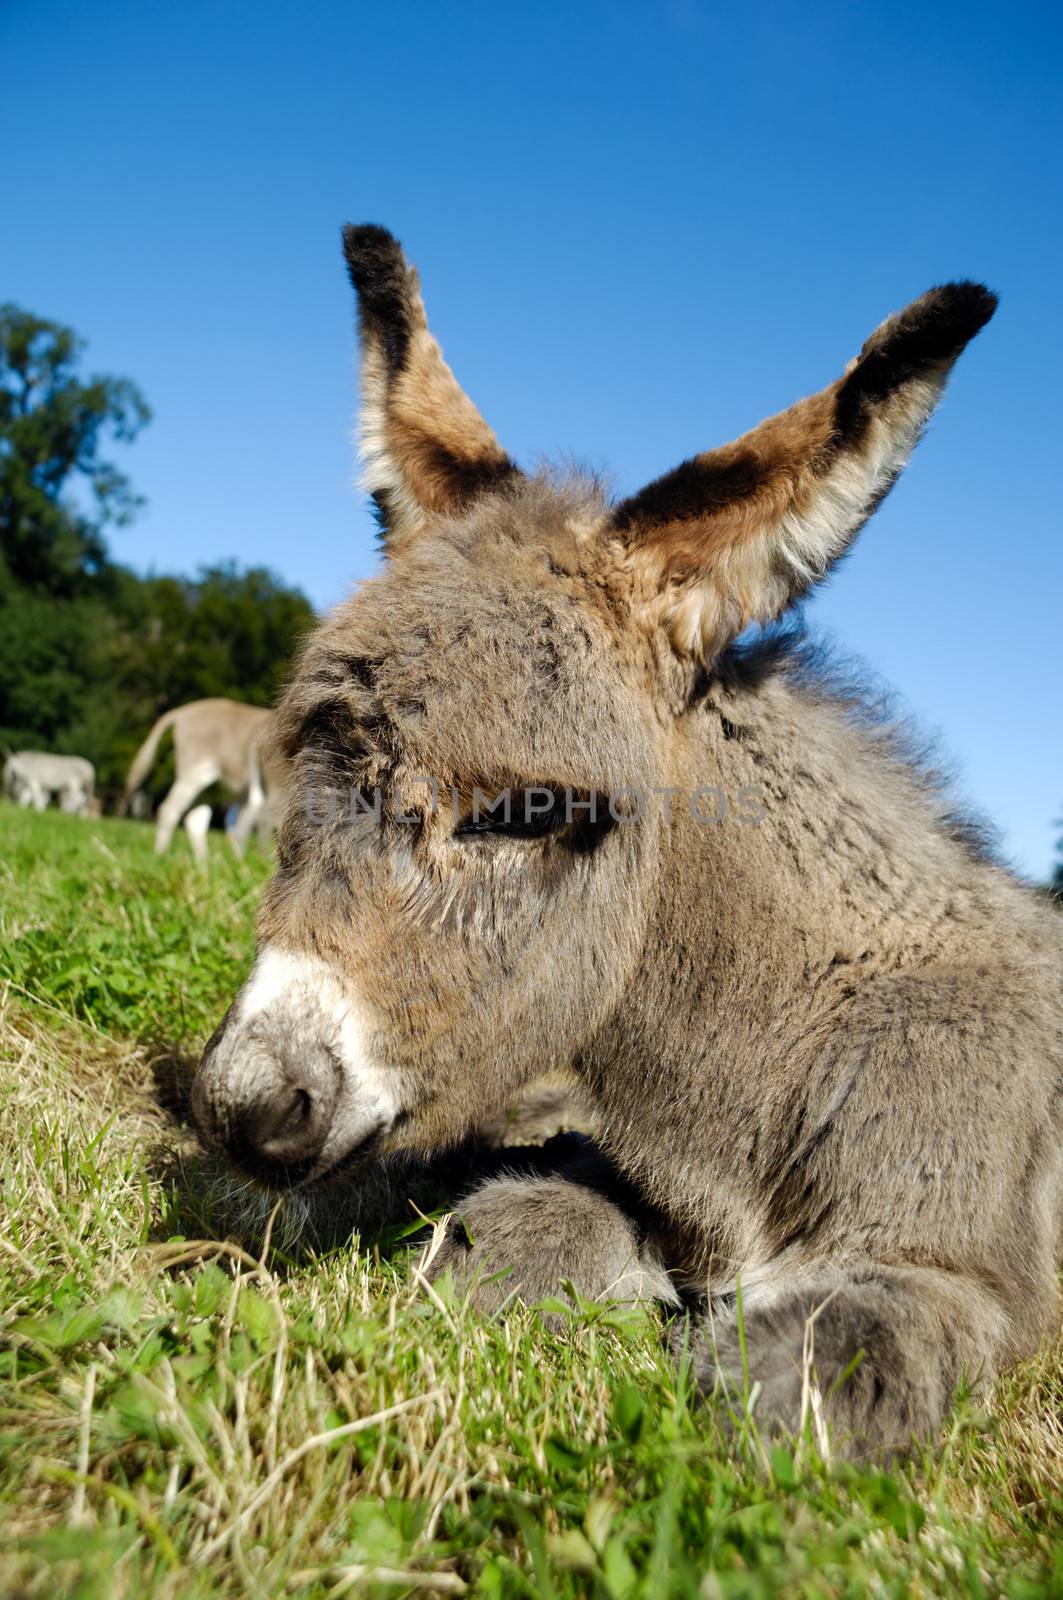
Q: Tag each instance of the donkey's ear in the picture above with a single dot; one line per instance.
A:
(425, 446)
(736, 534)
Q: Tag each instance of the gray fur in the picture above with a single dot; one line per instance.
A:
(523, 1237)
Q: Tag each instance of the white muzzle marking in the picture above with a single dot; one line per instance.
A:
(305, 997)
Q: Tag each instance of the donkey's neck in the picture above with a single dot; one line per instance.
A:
(765, 930)
(850, 848)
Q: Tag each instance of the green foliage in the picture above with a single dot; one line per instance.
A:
(178, 1420)
(225, 633)
(91, 654)
(178, 639)
(52, 427)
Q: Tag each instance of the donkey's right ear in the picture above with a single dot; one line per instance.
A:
(426, 449)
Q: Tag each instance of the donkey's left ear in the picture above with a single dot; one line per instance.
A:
(425, 447)
(737, 534)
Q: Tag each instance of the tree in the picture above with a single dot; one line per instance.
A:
(90, 653)
(57, 492)
(225, 632)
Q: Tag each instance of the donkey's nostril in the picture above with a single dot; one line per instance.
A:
(283, 1122)
(291, 1121)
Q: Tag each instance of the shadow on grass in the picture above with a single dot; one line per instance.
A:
(385, 1204)
(172, 1072)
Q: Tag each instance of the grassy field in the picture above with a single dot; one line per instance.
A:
(179, 1417)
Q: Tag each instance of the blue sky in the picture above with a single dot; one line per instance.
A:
(641, 227)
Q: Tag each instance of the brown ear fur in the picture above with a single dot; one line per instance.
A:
(736, 534)
(425, 446)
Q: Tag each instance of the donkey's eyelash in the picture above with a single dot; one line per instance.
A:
(530, 813)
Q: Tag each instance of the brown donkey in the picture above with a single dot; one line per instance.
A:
(546, 810)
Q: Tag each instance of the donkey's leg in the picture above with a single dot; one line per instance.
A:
(524, 1237)
(73, 799)
(881, 1349)
(178, 801)
(197, 827)
(249, 817)
(266, 820)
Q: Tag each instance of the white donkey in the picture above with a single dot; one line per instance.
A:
(35, 778)
(214, 741)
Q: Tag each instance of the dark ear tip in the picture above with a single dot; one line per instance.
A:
(929, 333)
(370, 251)
(937, 325)
(965, 304)
(367, 235)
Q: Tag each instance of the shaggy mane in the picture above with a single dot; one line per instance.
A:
(821, 669)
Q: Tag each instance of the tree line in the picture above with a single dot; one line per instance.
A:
(90, 652)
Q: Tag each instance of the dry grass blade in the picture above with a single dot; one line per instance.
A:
(319, 1441)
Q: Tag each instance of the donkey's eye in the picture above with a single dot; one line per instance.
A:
(517, 813)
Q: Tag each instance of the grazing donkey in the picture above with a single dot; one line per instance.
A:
(821, 1033)
(35, 777)
(214, 740)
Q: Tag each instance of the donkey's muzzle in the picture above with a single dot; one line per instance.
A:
(289, 1126)
(290, 1085)
(274, 1118)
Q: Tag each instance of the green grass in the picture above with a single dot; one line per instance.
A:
(182, 1419)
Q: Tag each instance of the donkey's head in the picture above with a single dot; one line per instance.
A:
(467, 865)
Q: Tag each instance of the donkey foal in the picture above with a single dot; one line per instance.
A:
(818, 1027)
